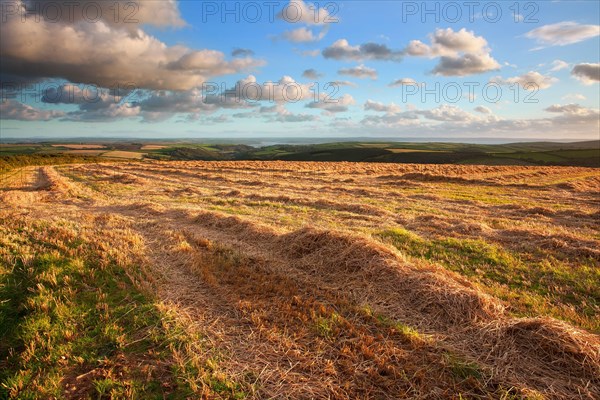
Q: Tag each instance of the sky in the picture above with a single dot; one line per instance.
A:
(397, 69)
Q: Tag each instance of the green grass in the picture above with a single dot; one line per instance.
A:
(13, 161)
(531, 287)
(74, 323)
(462, 369)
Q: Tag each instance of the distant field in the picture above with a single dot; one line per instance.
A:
(583, 154)
(124, 154)
(276, 279)
(80, 146)
(153, 147)
(86, 152)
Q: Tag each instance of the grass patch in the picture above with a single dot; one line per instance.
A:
(546, 287)
(74, 324)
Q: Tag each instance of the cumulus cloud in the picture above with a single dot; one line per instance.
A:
(391, 120)
(558, 65)
(285, 90)
(576, 117)
(131, 16)
(530, 81)
(161, 105)
(467, 64)
(311, 74)
(563, 33)
(332, 105)
(403, 82)
(447, 42)
(371, 105)
(298, 11)
(571, 109)
(278, 113)
(303, 35)
(447, 113)
(444, 115)
(416, 48)
(15, 110)
(107, 54)
(461, 52)
(570, 120)
(361, 72)
(342, 50)
(98, 104)
(587, 73)
(94, 104)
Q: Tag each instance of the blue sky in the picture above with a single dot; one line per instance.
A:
(177, 47)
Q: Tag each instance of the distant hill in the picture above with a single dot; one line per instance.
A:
(584, 154)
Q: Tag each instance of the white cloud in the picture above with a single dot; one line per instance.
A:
(447, 42)
(447, 113)
(587, 73)
(572, 109)
(278, 113)
(403, 82)
(303, 35)
(466, 64)
(416, 48)
(107, 54)
(298, 11)
(461, 52)
(332, 105)
(563, 33)
(558, 65)
(391, 108)
(574, 96)
(361, 72)
(570, 121)
(391, 121)
(530, 81)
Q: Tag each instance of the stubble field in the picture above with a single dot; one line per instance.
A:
(300, 280)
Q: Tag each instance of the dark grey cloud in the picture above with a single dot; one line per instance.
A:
(342, 50)
(587, 73)
(242, 52)
(311, 74)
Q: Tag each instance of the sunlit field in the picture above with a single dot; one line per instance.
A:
(299, 280)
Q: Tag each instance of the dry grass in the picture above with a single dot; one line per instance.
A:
(123, 154)
(341, 280)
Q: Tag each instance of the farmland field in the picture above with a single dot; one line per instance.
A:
(273, 279)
